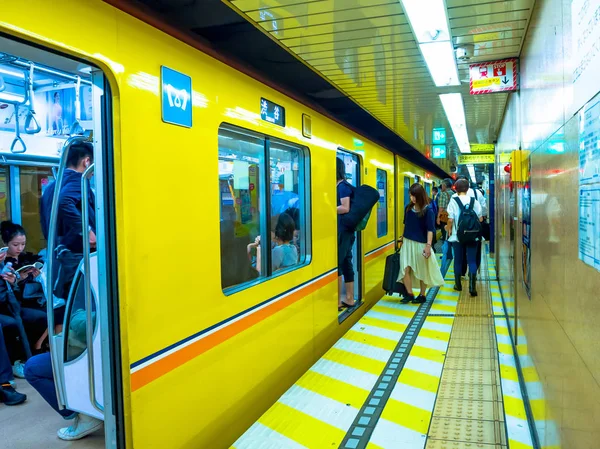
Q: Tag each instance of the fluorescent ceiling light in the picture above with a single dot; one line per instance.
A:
(439, 57)
(428, 19)
(12, 73)
(5, 96)
(471, 169)
(455, 112)
(429, 23)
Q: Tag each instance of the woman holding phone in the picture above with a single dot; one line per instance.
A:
(33, 311)
(416, 262)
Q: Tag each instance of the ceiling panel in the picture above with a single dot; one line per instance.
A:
(367, 50)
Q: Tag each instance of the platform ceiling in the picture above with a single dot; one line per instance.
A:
(368, 56)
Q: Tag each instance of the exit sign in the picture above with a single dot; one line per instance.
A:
(438, 152)
(439, 136)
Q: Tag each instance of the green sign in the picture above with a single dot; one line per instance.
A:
(438, 152)
(439, 136)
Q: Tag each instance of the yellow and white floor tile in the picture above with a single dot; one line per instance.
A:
(439, 376)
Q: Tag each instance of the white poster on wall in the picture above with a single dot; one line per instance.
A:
(589, 184)
(585, 21)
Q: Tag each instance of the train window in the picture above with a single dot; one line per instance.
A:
(288, 204)
(4, 194)
(241, 162)
(33, 181)
(244, 198)
(382, 222)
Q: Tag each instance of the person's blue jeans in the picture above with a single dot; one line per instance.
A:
(460, 251)
(446, 252)
(6, 374)
(38, 372)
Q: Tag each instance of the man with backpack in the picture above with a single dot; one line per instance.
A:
(464, 232)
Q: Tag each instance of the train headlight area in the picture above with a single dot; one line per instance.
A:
(299, 224)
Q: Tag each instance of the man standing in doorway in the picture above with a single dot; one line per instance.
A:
(69, 250)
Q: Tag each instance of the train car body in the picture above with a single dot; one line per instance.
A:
(199, 363)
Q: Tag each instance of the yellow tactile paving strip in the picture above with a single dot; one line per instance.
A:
(468, 411)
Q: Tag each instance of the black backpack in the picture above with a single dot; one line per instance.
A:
(469, 227)
(363, 199)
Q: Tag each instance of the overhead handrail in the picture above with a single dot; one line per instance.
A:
(18, 139)
(31, 112)
(51, 247)
(87, 285)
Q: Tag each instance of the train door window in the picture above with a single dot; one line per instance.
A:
(33, 181)
(288, 205)
(248, 251)
(353, 167)
(382, 222)
(428, 189)
(4, 194)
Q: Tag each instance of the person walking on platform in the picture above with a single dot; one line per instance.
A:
(416, 263)
(443, 199)
(464, 227)
(474, 193)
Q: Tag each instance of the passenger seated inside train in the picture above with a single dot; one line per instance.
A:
(283, 252)
(8, 394)
(21, 274)
(294, 212)
(38, 372)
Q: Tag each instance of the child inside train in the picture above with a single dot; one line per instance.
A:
(283, 252)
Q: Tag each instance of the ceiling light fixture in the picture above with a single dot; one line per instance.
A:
(10, 98)
(471, 169)
(429, 23)
(439, 57)
(455, 112)
(20, 75)
(428, 20)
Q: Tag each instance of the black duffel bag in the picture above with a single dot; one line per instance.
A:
(362, 201)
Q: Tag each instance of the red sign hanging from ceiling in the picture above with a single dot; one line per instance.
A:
(493, 76)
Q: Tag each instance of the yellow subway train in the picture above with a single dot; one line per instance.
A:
(194, 160)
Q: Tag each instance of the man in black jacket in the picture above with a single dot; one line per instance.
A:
(69, 250)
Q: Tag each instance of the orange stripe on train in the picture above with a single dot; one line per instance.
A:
(162, 366)
(379, 252)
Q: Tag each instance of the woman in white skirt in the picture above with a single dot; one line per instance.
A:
(416, 264)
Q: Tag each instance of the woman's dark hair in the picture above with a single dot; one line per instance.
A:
(420, 195)
(9, 230)
(462, 185)
(340, 169)
(285, 228)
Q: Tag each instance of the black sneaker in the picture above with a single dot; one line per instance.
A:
(419, 299)
(10, 396)
(407, 299)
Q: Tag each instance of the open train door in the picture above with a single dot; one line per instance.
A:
(86, 353)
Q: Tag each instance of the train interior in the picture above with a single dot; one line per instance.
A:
(47, 102)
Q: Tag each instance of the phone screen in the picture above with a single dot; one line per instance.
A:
(3, 250)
